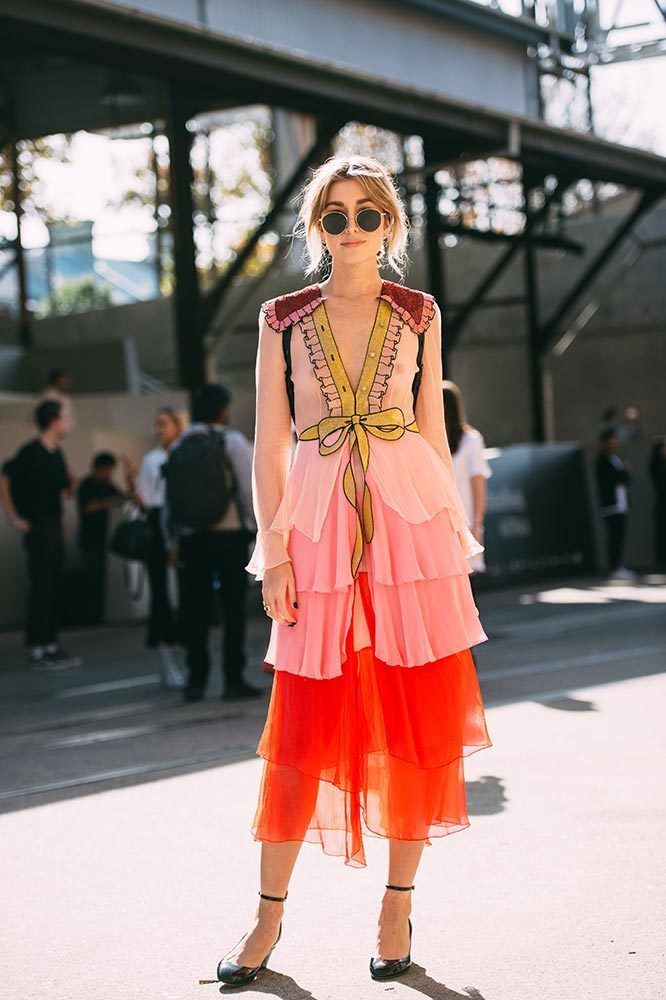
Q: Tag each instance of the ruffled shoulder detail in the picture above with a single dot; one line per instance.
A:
(416, 308)
(285, 310)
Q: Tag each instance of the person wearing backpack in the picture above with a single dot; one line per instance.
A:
(208, 519)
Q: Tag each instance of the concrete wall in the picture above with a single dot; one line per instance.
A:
(415, 48)
(78, 448)
(619, 357)
(115, 422)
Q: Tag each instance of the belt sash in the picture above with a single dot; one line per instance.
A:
(355, 422)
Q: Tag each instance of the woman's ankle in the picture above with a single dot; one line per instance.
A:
(396, 903)
(270, 909)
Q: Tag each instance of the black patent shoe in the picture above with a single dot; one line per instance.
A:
(390, 968)
(239, 975)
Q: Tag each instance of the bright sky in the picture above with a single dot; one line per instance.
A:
(628, 108)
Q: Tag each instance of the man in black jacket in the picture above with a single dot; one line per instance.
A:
(209, 547)
(613, 481)
(33, 485)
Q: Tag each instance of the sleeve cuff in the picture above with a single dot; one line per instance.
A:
(269, 550)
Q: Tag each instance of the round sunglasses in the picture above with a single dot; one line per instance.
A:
(368, 220)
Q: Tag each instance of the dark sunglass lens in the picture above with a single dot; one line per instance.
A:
(334, 223)
(369, 220)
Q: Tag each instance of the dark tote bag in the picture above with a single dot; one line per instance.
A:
(133, 538)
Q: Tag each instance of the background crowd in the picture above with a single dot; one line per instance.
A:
(192, 497)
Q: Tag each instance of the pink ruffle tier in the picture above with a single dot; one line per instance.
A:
(417, 560)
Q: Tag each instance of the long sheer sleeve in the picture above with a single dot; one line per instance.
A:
(272, 450)
(429, 410)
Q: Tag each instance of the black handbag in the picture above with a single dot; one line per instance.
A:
(133, 539)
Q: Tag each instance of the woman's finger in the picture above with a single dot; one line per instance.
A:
(272, 603)
(283, 608)
(291, 591)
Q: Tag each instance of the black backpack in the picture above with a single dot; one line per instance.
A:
(200, 480)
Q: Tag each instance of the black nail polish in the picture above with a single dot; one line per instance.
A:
(295, 604)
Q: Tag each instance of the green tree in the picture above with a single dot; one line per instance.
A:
(76, 296)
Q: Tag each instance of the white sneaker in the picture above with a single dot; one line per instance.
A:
(56, 660)
(172, 675)
(622, 573)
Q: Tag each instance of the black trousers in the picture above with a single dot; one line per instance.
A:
(44, 548)
(616, 530)
(211, 558)
(161, 616)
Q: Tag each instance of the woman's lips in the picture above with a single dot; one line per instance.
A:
(353, 243)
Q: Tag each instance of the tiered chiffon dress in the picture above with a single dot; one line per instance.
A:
(375, 699)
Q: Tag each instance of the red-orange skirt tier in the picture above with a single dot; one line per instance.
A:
(378, 750)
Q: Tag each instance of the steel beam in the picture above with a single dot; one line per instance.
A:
(214, 299)
(538, 239)
(236, 69)
(435, 261)
(25, 328)
(534, 358)
(551, 329)
(189, 341)
(518, 28)
(498, 269)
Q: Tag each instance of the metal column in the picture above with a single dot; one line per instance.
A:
(534, 353)
(435, 260)
(189, 332)
(25, 329)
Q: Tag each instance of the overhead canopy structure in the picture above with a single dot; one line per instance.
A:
(195, 68)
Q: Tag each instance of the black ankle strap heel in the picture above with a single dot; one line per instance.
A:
(238, 975)
(389, 968)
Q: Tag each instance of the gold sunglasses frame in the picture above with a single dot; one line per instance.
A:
(338, 211)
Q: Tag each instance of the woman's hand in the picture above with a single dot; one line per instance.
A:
(279, 593)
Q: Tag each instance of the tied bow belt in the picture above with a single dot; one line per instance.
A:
(388, 424)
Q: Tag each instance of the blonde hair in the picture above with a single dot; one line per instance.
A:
(179, 417)
(378, 184)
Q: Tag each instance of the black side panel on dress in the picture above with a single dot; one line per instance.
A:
(416, 382)
(286, 350)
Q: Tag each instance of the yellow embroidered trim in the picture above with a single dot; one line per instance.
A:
(355, 421)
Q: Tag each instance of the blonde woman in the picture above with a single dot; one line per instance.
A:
(469, 465)
(149, 489)
(362, 552)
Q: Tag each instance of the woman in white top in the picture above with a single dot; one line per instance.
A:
(469, 465)
(150, 487)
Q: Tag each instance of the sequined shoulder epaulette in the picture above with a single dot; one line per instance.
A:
(415, 307)
(285, 310)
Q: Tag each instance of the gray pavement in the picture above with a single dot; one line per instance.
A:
(127, 865)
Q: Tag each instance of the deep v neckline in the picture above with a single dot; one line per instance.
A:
(369, 340)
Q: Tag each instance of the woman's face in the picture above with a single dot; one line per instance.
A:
(166, 430)
(353, 245)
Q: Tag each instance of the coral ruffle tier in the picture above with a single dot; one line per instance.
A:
(377, 750)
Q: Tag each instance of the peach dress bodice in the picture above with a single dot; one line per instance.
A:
(366, 483)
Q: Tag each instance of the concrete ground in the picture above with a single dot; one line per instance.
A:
(127, 867)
